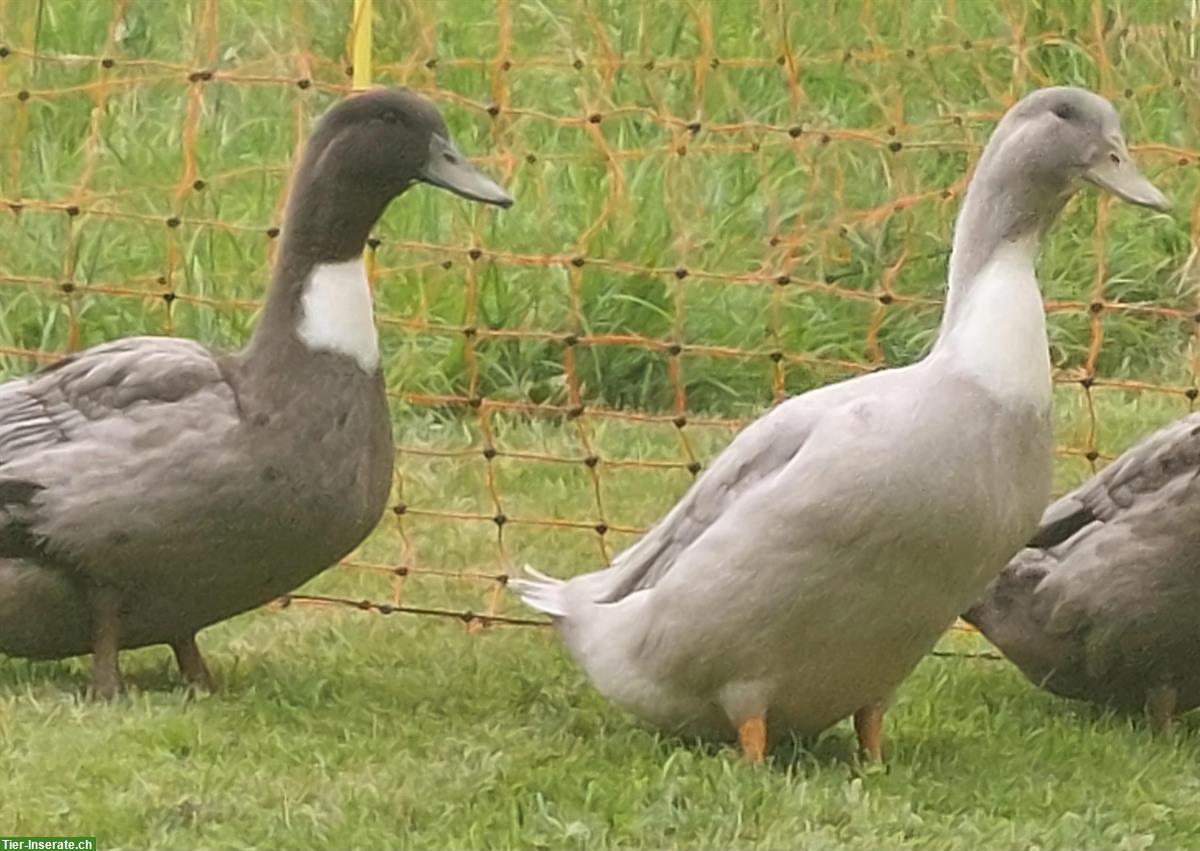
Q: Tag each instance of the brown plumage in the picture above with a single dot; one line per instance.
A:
(150, 487)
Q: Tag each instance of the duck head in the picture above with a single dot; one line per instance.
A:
(1059, 137)
(384, 141)
(363, 153)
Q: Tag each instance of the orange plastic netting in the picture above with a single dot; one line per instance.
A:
(718, 204)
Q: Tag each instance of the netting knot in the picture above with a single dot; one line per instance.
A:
(776, 356)
(107, 62)
(886, 298)
(493, 110)
(374, 242)
(680, 272)
(168, 297)
(694, 467)
(601, 528)
(1087, 381)
(679, 421)
(23, 95)
(895, 147)
(173, 222)
(1096, 307)
(303, 83)
(399, 508)
(67, 287)
(272, 232)
(783, 280)
(577, 261)
(431, 62)
(674, 349)
(201, 76)
(796, 131)
(475, 253)
(595, 118)
(1191, 393)
(1091, 455)
(71, 211)
(575, 412)
(4, 51)
(489, 452)
(447, 264)
(591, 460)
(198, 184)
(571, 340)
(475, 402)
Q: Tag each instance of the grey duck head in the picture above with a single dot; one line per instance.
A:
(1059, 136)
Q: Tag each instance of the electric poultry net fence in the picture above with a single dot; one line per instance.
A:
(718, 204)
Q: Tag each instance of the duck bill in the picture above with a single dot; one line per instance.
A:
(447, 168)
(1117, 174)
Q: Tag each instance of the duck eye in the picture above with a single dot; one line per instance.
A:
(1116, 160)
(1064, 111)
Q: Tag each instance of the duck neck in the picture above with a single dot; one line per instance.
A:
(994, 326)
(319, 295)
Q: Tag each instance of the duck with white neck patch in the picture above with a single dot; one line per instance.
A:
(823, 553)
(150, 487)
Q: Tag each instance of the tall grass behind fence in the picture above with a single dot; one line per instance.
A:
(718, 204)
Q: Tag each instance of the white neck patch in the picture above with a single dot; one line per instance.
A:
(999, 333)
(336, 313)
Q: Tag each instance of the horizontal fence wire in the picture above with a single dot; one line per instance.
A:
(718, 205)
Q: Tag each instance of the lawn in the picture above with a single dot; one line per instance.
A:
(718, 203)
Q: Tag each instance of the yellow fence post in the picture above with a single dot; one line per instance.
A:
(361, 44)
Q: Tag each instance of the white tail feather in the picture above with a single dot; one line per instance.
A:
(541, 592)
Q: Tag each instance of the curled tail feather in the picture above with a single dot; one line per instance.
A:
(541, 592)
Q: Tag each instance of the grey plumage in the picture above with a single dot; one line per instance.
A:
(150, 487)
(832, 542)
(1102, 604)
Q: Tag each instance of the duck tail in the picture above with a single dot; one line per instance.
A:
(542, 592)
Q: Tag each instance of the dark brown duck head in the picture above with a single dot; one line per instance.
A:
(363, 153)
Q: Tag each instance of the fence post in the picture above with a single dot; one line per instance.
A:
(360, 35)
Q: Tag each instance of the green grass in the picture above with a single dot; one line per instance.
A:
(358, 731)
(342, 728)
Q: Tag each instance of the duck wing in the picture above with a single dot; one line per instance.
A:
(759, 451)
(1148, 471)
(73, 434)
(1096, 573)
